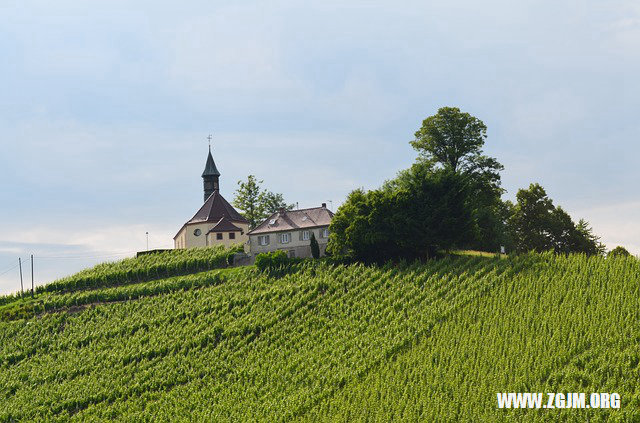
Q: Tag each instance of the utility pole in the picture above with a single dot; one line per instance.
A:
(147, 240)
(31, 275)
(21, 285)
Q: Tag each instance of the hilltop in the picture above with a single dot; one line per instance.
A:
(182, 336)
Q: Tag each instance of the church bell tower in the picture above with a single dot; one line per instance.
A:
(210, 177)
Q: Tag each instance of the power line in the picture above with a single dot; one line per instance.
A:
(8, 270)
(87, 257)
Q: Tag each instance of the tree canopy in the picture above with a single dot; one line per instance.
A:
(451, 198)
(255, 203)
(411, 217)
(453, 140)
(539, 225)
(619, 251)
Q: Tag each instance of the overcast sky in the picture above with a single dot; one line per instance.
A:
(106, 106)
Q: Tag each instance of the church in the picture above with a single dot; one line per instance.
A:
(217, 222)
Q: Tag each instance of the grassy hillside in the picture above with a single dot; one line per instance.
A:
(422, 342)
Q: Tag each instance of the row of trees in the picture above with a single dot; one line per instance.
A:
(451, 198)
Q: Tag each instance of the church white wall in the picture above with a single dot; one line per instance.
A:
(180, 241)
(190, 240)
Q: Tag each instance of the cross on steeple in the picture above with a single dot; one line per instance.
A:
(210, 137)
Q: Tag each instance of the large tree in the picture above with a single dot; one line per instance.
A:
(418, 213)
(538, 225)
(453, 140)
(256, 203)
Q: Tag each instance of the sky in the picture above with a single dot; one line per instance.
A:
(106, 107)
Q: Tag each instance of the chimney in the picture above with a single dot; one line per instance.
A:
(324, 205)
(281, 210)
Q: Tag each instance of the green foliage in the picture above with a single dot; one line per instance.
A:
(539, 226)
(257, 204)
(453, 140)
(271, 261)
(144, 268)
(272, 202)
(430, 341)
(315, 248)
(249, 199)
(423, 210)
(619, 251)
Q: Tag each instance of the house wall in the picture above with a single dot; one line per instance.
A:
(189, 240)
(300, 247)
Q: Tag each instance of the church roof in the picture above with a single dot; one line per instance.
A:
(224, 225)
(210, 168)
(214, 209)
(287, 220)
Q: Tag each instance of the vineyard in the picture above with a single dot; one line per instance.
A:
(430, 341)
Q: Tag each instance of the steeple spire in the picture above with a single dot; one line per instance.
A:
(211, 175)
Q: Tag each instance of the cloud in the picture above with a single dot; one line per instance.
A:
(233, 51)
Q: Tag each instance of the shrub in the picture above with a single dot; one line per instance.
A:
(273, 260)
(619, 252)
(315, 248)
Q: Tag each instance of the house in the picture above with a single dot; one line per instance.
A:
(217, 222)
(290, 231)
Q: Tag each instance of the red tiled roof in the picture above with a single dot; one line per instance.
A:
(295, 219)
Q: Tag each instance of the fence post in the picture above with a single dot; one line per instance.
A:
(31, 275)
(21, 284)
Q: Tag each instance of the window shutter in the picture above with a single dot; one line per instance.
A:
(301, 232)
(268, 239)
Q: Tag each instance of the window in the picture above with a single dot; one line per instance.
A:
(324, 233)
(263, 240)
(232, 235)
(306, 235)
(285, 238)
(219, 235)
(197, 232)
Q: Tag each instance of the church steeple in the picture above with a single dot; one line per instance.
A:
(210, 177)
